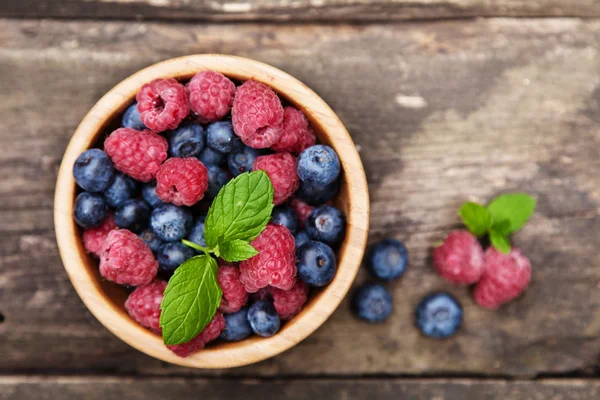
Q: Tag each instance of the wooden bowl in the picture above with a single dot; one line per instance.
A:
(105, 300)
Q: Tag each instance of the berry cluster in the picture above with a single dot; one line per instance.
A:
(151, 184)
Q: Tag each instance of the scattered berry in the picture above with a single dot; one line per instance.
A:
(143, 304)
(149, 194)
(297, 134)
(242, 160)
(93, 238)
(301, 238)
(171, 255)
(126, 259)
(210, 333)
(122, 188)
(281, 168)
(257, 115)
(234, 294)
(373, 303)
(289, 303)
(275, 264)
(186, 141)
(319, 165)
(133, 215)
(217, 178)
(151, 239)
(211, 95)
(302, 209)
(439, 315)
(460, 258)
(285, 216)
(506, 276)
(263, 318)
(209, 156)
(93, 170)
(171, 223)
(90, 210)
(326, 224)
(131, 118)
(388, 259)
(237, 326)
(138, 154)
(220, 137)
(318, 194)
(197, 233)
(316, 263)
(181, 181)
(162, 104)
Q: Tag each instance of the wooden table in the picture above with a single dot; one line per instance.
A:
(444, 107)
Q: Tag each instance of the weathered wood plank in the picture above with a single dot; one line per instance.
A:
(442, 112)
(298, 10)
(18, 388)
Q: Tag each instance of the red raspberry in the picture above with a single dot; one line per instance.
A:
(460, 259)
(257, 115)
(210, 333)
(274, 265)
(163, 104)
(211, 95)
(234, 294)
(302, 210)
(297, 134)
(181, 181)
(126, 259)
(136, 153)
(281, 168)
(143, 304)
(94, 238)
(506, 277)
(289, 303)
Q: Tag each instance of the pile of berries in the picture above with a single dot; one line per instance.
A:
(152, 183)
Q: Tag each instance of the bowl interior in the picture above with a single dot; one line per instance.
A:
(105, 299)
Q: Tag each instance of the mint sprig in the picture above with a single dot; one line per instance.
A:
(505, 215)
(239, 213)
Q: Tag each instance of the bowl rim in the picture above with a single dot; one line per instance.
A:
(78, 265)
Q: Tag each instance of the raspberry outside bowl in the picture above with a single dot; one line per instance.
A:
(106, 300)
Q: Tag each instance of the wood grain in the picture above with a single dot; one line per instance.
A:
(298, 10)
(441, 112)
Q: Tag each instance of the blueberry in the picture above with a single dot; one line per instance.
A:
(209, 156)
(242, 160)
(93, 170)
(326, 224)
(122, 188)
(171, 223)
(151, 239)
(285, 216)
(318, 165)
(301, 238)
(316, 263)
(171, 255)
(220, 137)
(132, 214)
(217, 178)
(317, 194)
(373, 303)
(388, 259)
(90, 210)
(439, 315)
(237, 326)
(186, 141)
(149, 194)
(131, 118)
(263, 318)
(197, 233)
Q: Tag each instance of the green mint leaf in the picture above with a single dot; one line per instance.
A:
(515, 207)
(240, 211)
(476, 217)
(237, 250)
(500, 241)
(502, 227)
(191, 299)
